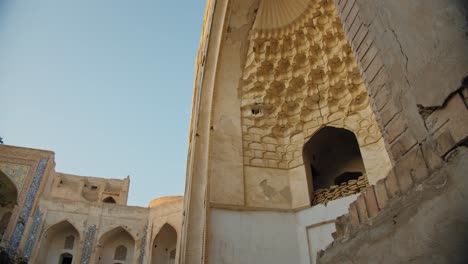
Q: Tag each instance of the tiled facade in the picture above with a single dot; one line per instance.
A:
(33, 234)
(27, 207)
(88, 245)
(143, 245)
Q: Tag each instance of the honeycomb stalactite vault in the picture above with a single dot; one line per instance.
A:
(299, 77)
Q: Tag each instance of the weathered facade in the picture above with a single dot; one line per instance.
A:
(321, 132)
(52, 217)
(330, 127)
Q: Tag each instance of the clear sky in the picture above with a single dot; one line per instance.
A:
(105, 84)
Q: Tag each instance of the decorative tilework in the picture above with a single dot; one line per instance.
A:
(143, 245)
(16, 172)
(27, 207)
(33, 233)
(88, 245)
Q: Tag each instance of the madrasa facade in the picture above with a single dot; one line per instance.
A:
(52, 217)
(322, 131)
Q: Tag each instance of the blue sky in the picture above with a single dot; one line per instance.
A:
(105, 84)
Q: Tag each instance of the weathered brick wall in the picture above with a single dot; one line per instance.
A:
(426, 225)
(422, 120)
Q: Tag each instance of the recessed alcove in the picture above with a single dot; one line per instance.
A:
(109, 199)
(164, 246)
(334, 164)
(116, 246)
(58, 244)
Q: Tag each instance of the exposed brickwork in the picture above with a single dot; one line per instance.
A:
(415, 153)
(362, 208)
(449, 124)
(402, 144)
(381, 194)
(341, 225)
(433, 161)
(371, 202)
(391, 185)
(353, 215)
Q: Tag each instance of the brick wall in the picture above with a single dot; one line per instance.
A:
(417, 141)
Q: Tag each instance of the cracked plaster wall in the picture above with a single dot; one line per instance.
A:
(429, 225)
(382, 27)
(418, 56)
(424, 44)
(226, 175)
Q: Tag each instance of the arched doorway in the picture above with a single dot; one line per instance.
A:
(116, 246)
(164, 246)
(8, 200)
(66, 258)
(334, 164)
(59, 244)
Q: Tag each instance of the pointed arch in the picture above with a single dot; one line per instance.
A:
(112, 243)
(114, 230)
(55, 244)
(63, 221)
(164, 245)
(156, 231)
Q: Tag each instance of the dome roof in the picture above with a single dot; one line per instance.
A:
(163, 199)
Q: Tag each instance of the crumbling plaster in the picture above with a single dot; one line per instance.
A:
(421, 41)
(90, 189)
(428, 225)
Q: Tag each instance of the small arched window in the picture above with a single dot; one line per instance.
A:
(109, 200)
(69, 242)
(120, 253)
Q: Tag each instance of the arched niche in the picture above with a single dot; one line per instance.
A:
(333, 164)
(109, 199)
(8, 200)
(164, 246)
(116, 246)
(59, 244)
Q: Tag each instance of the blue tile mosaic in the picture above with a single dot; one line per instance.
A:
(88, 245)
(33, 234)
(15, 238)
(143, 245)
